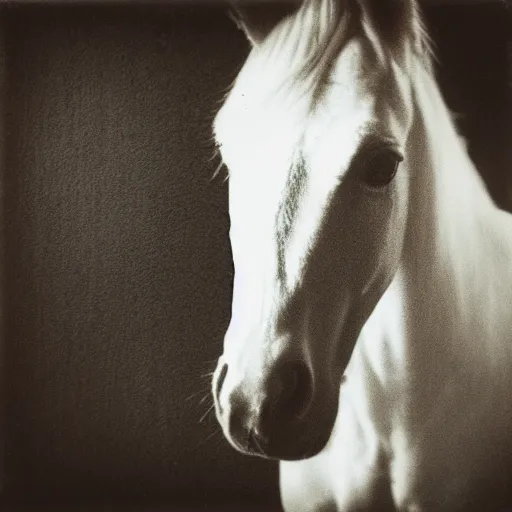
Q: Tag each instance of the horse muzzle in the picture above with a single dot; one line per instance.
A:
(283, 416)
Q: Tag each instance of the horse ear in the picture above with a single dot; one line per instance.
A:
(258, 20)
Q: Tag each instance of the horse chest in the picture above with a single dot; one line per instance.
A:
(440, 462)
(452, 465)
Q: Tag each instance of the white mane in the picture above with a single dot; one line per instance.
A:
(299, 52)
(290, 67)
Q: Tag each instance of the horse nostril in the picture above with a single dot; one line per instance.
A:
(220, 381)
(294, 391)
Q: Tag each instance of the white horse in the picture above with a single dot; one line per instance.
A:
(370, 345)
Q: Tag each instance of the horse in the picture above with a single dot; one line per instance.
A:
(369, 349)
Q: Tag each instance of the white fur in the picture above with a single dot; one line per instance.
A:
(427, 398)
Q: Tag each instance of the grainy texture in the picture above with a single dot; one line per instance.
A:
(118, 265)
(472, 73)
(3, 418)
(117, 272)
(508, 109)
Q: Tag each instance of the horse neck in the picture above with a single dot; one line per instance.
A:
(448, 201)
(422, 319)
(446, 262)
(437, 339)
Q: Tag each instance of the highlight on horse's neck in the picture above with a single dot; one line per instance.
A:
(450, 214)
(448, 196)
(427, 313)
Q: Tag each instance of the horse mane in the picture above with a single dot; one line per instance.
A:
(305, 44)
(397, 31)
(291, 65)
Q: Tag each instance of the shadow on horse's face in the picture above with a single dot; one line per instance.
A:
(318, 207)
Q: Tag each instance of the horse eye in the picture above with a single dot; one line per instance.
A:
(381, 168)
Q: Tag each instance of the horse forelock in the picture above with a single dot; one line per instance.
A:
(302, 48)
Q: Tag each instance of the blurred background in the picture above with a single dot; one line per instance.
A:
(116, 268)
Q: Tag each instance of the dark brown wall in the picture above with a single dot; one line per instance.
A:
(472, 72)
(117, 271)
(118, 268)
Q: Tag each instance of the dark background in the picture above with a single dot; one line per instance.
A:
(116, 271)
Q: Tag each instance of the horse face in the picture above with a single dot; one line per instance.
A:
(318, 208)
